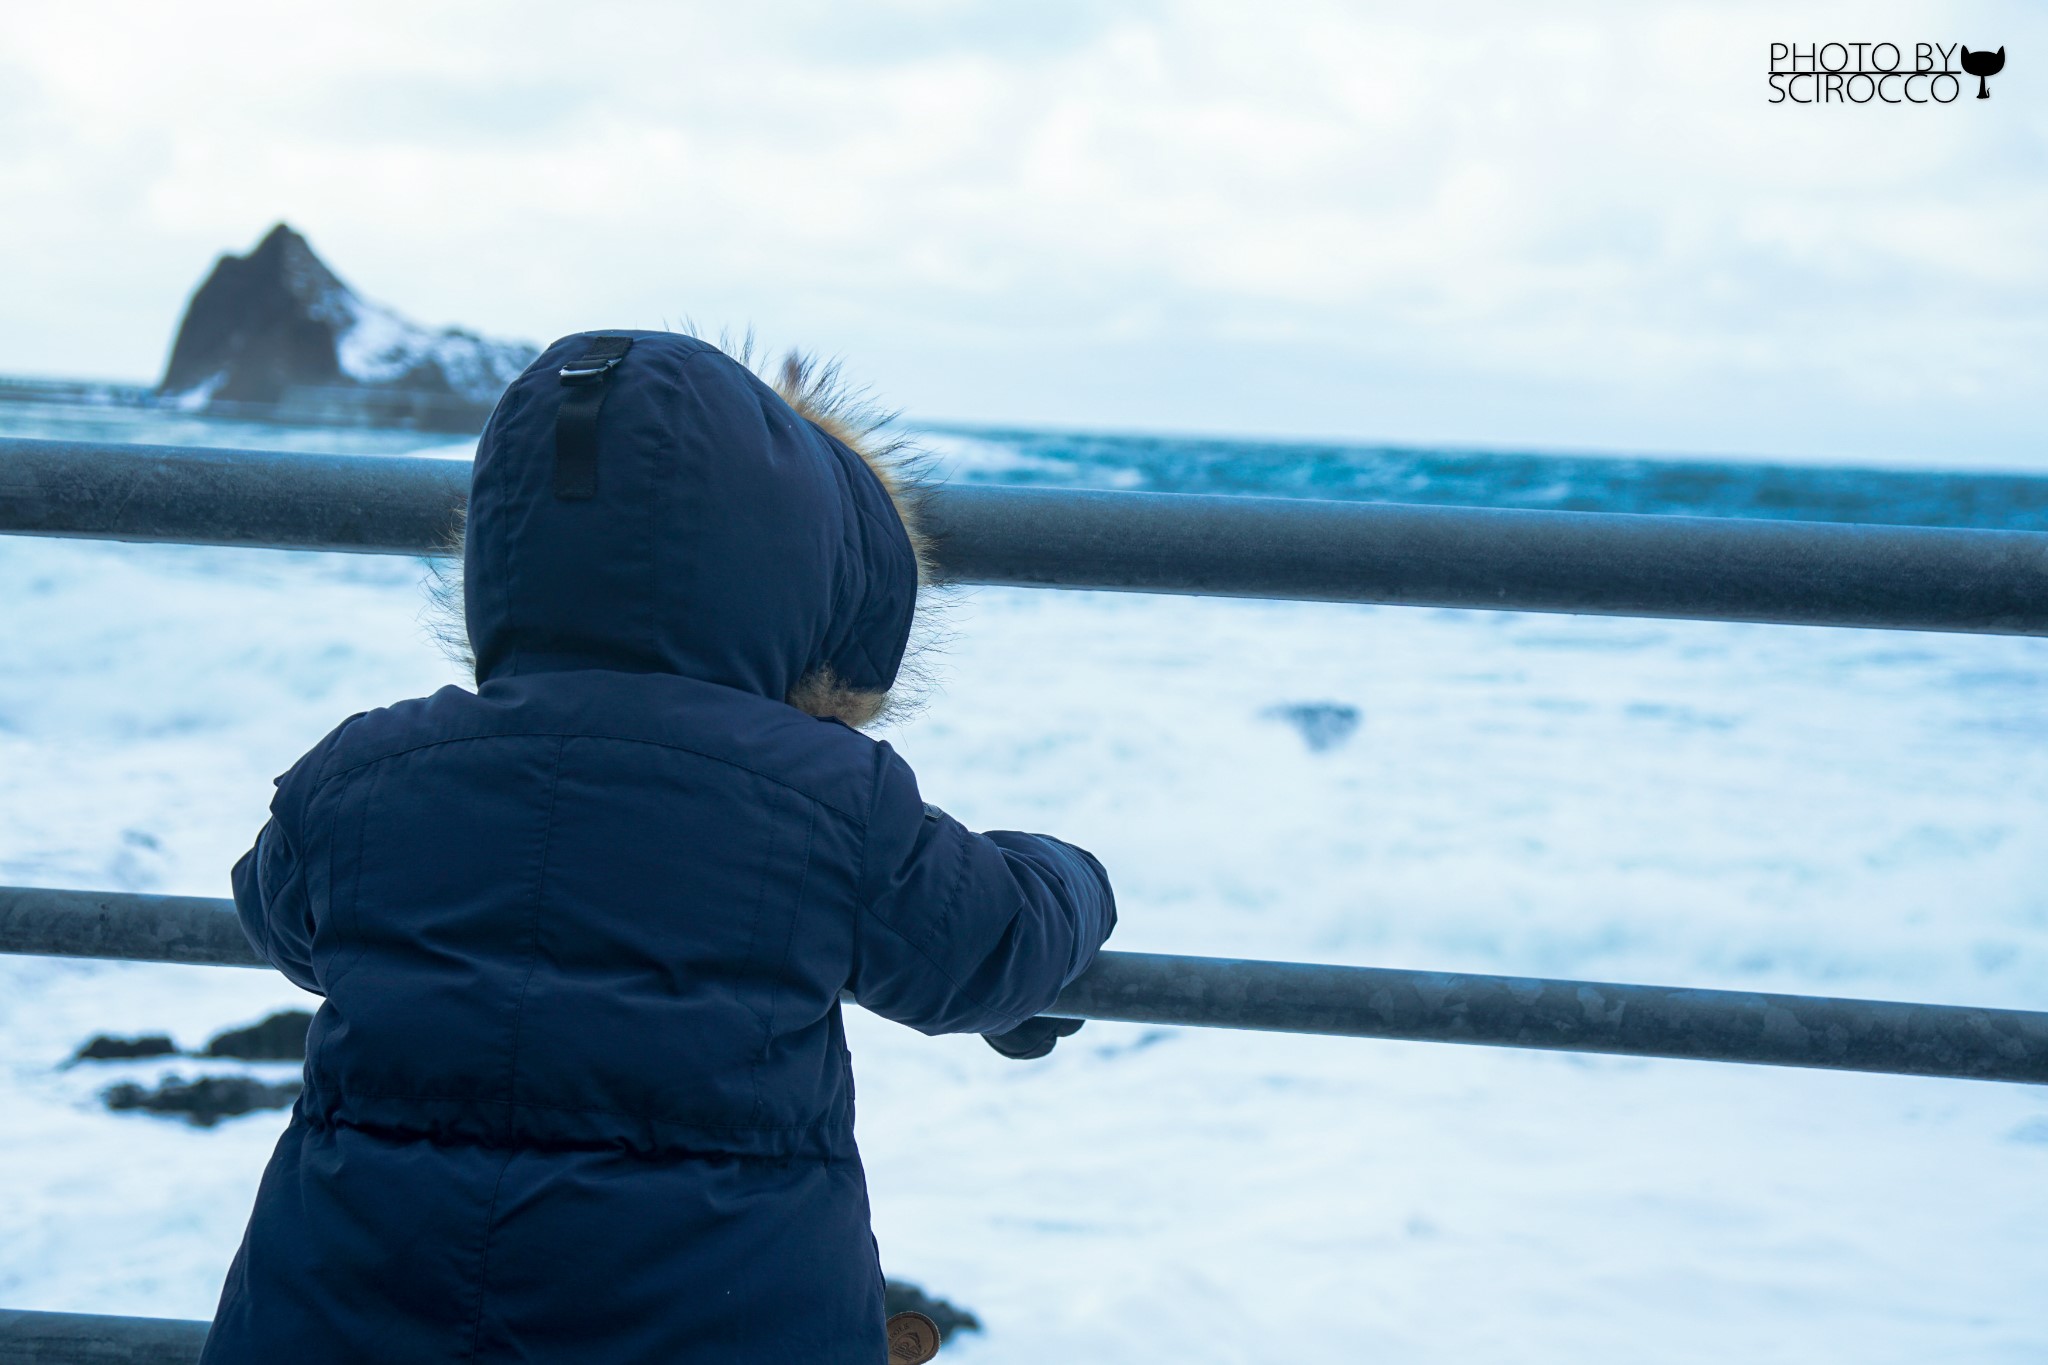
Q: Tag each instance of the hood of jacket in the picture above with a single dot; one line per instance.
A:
(729, 538)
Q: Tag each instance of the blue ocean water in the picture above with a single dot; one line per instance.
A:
(2004, 500)
(1576, 483)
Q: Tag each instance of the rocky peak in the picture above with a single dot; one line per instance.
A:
(278, 324)
(259, 323)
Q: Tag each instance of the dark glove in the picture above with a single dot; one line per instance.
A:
(1033, 1038)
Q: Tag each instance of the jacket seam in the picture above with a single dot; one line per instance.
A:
(540, 878)
(867, 904)
(579, 734)
(317, 1089)
(937, 966)
(386, 1133)
(483, 1279)
(331, 743)
(803, 881)
(958, 986)
(764, 1017)
(863, 902)
(944, 919)
(268, 907)
(344, 910)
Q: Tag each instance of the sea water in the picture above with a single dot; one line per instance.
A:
(1846, 812)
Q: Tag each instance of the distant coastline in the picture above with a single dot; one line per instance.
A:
(299, 405)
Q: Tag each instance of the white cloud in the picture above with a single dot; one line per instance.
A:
(1575, 224)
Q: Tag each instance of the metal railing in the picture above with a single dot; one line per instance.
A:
(1608, 564)
(1286, 997)
(1907, 578)
(97, 1339)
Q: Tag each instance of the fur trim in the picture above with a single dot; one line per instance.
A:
(821, 396)
(820, 693)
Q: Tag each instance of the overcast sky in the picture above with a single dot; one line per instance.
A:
(1533, 225)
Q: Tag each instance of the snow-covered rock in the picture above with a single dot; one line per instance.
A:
(279, 327)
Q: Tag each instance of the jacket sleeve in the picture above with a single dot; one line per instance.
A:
(270, 882)
(963, 932)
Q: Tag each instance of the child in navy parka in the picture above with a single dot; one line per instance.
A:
(579, 1089)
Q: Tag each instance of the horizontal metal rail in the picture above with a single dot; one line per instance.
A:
(94, 1339)
(199, 931)
(1289, 997)
(1710, 568)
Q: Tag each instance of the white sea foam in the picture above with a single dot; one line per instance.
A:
(1848, 812)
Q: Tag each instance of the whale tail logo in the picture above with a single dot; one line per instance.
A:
(1983, 65)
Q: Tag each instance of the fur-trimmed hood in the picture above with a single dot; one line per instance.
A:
(750, 535)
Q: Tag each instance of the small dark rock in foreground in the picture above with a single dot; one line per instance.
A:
(203, 1102)
(106, 1048)
(1323, 725)
(899, 1296)
(280, 1038)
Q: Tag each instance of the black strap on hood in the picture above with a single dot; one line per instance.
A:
(576, 422)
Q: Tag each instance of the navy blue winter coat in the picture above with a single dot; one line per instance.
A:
(579, 1088)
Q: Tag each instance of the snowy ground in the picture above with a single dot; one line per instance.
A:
(1845, 812)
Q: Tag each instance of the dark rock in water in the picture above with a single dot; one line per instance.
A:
(899, 1296)
(280, 1038)
(278, 328)
(203, 1102)
(1323, 725)
(106, 1048)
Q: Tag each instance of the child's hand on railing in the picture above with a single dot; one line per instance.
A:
(1033, 1038)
